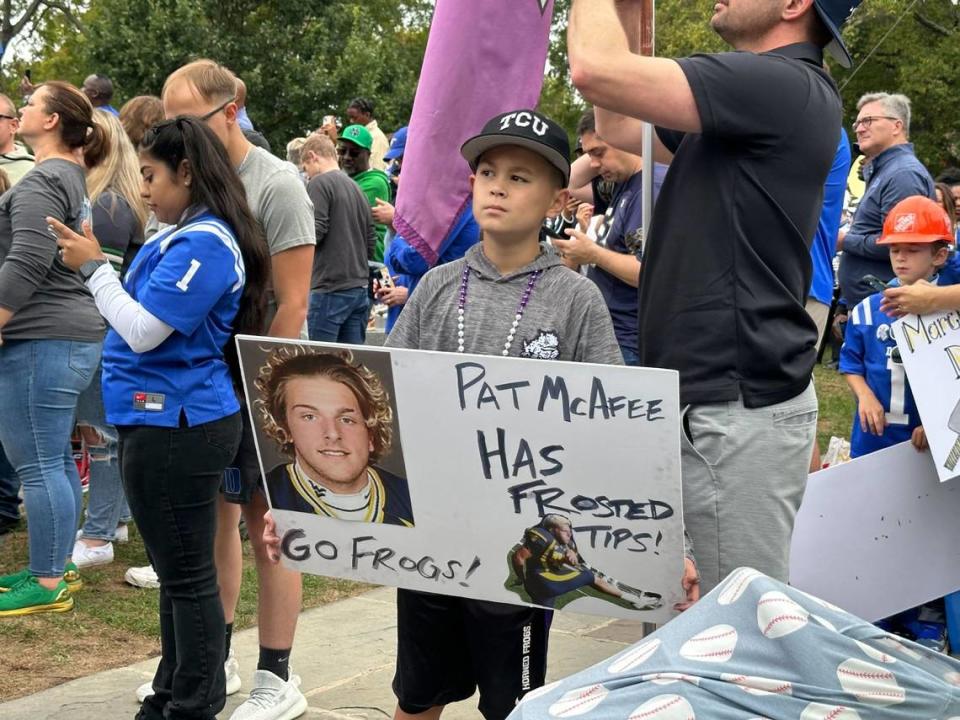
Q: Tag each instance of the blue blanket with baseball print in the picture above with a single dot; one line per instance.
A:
(756, 649)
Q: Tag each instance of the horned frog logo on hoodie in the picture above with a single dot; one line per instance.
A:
(545, 346)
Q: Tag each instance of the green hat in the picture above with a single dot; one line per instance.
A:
(358, 135)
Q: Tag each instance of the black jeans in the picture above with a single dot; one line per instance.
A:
(172, 479)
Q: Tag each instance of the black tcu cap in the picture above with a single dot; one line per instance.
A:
(525, 128)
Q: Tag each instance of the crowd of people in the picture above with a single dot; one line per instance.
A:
(135, 243)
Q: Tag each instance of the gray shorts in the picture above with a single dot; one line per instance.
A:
(744, 473)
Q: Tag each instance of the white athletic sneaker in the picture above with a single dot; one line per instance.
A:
(142, 577)
(87, 556)
(272, 699)
(231, 667)
(144, 691)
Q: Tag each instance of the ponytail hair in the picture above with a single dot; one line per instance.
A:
(76, 126)
(216, 184)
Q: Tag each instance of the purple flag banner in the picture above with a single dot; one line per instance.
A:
(484, 57)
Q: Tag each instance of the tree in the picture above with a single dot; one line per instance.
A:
(300, 61)
(26, 17)
(911, 48)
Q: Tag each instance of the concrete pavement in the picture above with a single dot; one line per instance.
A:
(344, 655)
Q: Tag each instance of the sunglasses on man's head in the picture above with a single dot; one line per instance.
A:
(216, 110)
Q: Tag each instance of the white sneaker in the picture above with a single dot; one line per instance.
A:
(88, 556)
(231, 667)
(142, 577)
(272, 699)
(144, 691)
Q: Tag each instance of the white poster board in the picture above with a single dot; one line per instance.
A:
(929, 346)
(878, 534)
(491, 462)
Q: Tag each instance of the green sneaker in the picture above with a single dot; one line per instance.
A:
(29, 596)
(8, 582)
(71, 576)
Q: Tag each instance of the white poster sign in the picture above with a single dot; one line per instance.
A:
(929, 346)
(878, 534)
(519, 481)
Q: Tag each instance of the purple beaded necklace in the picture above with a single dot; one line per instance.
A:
(521, 306)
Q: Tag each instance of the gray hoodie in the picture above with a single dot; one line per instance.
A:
(565, 318)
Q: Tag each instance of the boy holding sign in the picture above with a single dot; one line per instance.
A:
(508, 296)
(918, 232)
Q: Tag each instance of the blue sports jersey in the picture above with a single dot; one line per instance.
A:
(190, 277)
(548, 572)
(867, 351)
(824, 245)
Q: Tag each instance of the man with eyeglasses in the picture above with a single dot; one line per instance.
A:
(15, 159)
(353, 151)
(892, 173)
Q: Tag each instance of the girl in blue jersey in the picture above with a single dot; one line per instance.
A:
(167, 386)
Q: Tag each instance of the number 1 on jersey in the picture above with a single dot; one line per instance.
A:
(184, 282)
(898, 393)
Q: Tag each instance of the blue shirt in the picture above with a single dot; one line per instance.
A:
(409, 266)
(950, 272)
(891, 176)
(824, 245)
(191, 277)
(867, 349)
(620, 230)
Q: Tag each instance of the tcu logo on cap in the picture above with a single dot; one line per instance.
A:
(906, 222)
(524, 120)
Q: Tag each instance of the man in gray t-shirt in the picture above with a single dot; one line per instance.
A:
(280, 204)
(346, 239)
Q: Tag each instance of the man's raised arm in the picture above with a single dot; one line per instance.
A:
(602, 41)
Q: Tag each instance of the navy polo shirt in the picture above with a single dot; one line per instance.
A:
(727, 265)
(620, 230)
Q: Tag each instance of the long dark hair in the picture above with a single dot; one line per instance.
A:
(947, 202)
(215, 184)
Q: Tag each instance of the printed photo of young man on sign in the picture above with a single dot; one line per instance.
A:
(331, 420)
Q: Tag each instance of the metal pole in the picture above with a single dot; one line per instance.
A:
(647, 39)
(647, 45)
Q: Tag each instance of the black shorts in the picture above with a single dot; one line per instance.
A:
(450, 646)
(242, 476)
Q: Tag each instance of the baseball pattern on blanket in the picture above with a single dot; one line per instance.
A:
(756, 648)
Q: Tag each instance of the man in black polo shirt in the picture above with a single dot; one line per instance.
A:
(727, 266)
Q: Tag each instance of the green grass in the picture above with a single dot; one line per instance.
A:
(112, 623)
(836, 405)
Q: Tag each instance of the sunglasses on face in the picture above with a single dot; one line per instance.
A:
(350, 152)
